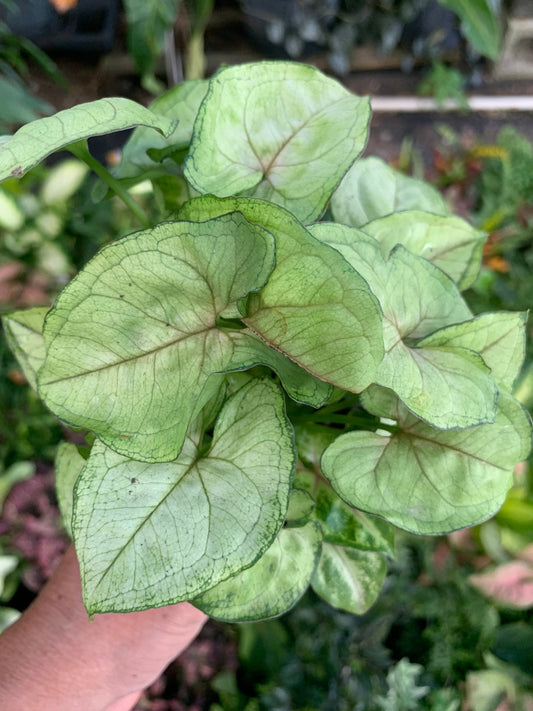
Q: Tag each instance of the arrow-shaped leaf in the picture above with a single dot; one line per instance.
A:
(425, 480)
(372, 189)
(153, 534)
(276, 130)
(315, 308)
(498, 337)
(271, 586)
(447, 241)
(447, 387)
(480, 24)
(132, 340)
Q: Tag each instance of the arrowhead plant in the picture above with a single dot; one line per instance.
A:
(279, 367)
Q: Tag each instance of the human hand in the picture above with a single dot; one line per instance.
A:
(54, 658)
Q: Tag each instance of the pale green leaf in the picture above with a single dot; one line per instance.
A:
(342, 524)
(271, 586)
(182, 103)
(36, 140)
(425, 480)
(132, 340)
(8, 563)
(349, 579)
(447, 387)
(24, 331)
(154, 534)
(68, 466)
(301, 507)
(498, 337)
(8, 615)
(208, 407)
(372, 189)
(447, 241)
(311, 442)
(488, 689)
(315, 308)
(62, 182)
(12, 218)
(276, 130)
(250, 350)
(236, 380)
(479, 23)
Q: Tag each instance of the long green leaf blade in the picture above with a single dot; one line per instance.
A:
(479, 23)
(148, 21)
(38, 139)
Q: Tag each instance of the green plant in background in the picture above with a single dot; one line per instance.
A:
(494, 181)
(195, 61)
(148, 25)
(480, 24)
(265, 388)
(431, 640)
(33, 224)
(49, 227)
(403, 694)
(341, 25)
(506, 183)
(443, 83)
(150, 35)
(490, 181)
(19, 105)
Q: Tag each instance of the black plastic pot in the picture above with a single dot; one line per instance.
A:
(89, 27)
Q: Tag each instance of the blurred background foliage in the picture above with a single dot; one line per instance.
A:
(453, 627)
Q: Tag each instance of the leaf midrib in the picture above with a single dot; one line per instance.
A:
(133, 358)
(266, 169)
(190, 469)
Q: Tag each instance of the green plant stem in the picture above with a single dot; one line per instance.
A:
(349, 420)
(81, 151)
